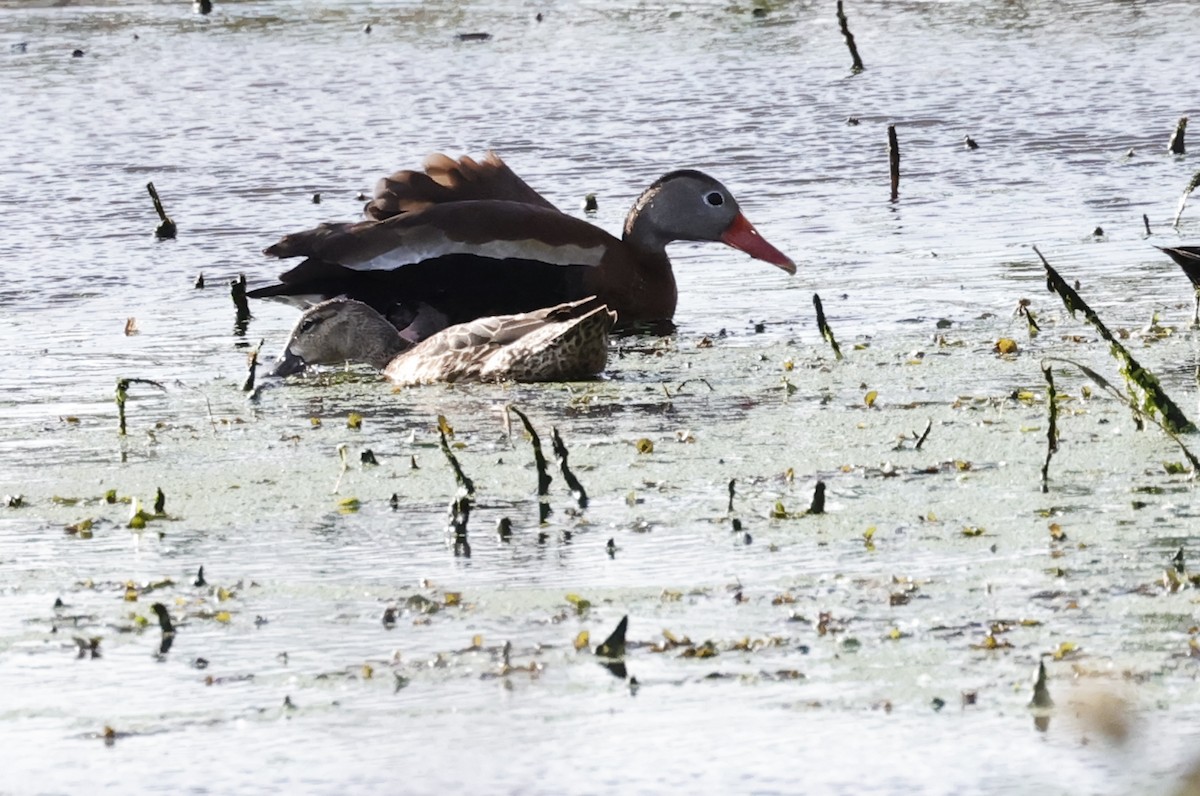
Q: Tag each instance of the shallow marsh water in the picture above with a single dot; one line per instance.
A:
(241, 116)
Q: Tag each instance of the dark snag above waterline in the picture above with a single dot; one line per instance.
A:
(1052, 426)
(539, 459)
(614, 645)
(560, 453)
(166, 228)
(237, 291)
(818, 500)
(894, 160)
(823, 326)
(845, 26)
(1176, 145)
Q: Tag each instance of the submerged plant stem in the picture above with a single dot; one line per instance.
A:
(1155, 399)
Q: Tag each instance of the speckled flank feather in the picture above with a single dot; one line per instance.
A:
(562, 343)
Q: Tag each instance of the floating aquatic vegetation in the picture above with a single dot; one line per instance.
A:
(354, 421)
(1155, 401)
(582, 605)
(644, 445)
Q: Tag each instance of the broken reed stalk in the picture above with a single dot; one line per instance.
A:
(924, 434)
(1138, 414)
(1155, 399)
(560, 454)
(1176, 145)
(539, 459)
(460, 512)
(123, 394)
(818, 500)
(1052, 431)
(614, 645)
(1146, 221)
(823, 326)
(845, 26)
(732, 492)
(466, 487)
(1191, 186)
(248, 385)
(237, 289)
(894, 161)
(166, 228)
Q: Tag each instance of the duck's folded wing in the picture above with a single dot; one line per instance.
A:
(495, 230)
(444, 180)
(503, 330)
(464, 259)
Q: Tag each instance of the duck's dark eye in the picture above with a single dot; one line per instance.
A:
(307, 324)
(715, 199)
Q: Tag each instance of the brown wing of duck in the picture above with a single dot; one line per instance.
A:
(447, 180)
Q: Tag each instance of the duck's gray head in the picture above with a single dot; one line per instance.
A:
(337, 332)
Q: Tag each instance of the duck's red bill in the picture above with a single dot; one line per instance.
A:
(742, 235)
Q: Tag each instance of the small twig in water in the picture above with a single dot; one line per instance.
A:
(560, 454)
(823, 326)
(924, 434)
(1176, 145)
(252, 366)
(466, 486)
(1052, 431)
(166, 228)
(342, 450)
(1146, 221)
(732, 492)
(237, 289)
(539, 459)
(845, 26)
(1191, 186)
(818, 500)
(894, 160)
(123, 393)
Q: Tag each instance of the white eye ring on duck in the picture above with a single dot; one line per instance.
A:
(714, 198)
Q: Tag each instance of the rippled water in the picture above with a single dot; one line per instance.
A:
(240, 117)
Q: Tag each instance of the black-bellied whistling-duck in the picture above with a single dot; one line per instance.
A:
(1188, 258)
(467, 239)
